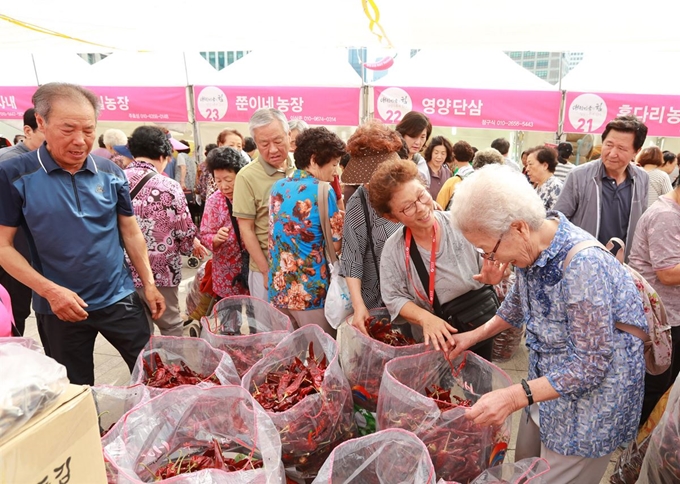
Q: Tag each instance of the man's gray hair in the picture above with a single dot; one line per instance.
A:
(298, 124)
(265, 117)
(114, 137)
(48, 93)
(488, 156)
(492, 198)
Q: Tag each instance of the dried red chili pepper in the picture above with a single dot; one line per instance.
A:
(383, 331)
(283, 389)
(444, 399)
(170, 376)
(211, 458)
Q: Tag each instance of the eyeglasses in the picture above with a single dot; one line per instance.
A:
(490, 255)
(424, 198)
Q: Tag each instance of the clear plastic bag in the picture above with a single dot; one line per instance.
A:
(197, 302)
(661, 464)
(363, 358)
(521, 472)
(196, 353)
(29, 343)
(313, 427)
(390, 456)
(629, 463)
(246, 328)
(460, 449)
(181, 423)
(505, 344)
(30, 382)
(113, 402)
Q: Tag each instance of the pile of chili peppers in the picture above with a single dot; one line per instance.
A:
(383, 331)
(307, 439)
(444, 399)
(173, 375)
(283, 389)
(212, 458)
(459, 448)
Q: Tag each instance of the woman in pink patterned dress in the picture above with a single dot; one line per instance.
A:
(219, 229)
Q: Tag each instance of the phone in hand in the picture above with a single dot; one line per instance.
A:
(336, 186)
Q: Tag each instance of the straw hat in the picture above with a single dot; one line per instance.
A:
(360, 168)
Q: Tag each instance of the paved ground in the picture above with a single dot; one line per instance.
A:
(111, 370)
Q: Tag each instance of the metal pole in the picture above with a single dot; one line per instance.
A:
(560, 121)
(198, 151)
(35, 69)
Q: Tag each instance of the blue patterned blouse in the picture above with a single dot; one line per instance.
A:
(298, 272)
(597, 370)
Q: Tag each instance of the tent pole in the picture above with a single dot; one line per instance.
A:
(192, 112)
(35, 69)
(560, 122)
(192, 118)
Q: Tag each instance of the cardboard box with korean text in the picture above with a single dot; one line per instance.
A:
(57, 446)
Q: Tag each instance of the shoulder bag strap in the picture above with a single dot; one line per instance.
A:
(234, 222)
(141, 183)
(369, 231)
(628, 328)
(324, 188)
(422, 273)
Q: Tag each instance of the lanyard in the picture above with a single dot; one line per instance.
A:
(433, 262)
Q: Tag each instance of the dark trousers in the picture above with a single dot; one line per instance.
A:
(656, 385)
(20, 296)
(123, 324)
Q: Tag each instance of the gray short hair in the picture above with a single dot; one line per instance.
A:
(114, 137)
(265, 117)
(298, 124)
(488, 156)
(492, 198)
(46, 94)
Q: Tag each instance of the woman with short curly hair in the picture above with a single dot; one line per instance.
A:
(298, 271)
(428, 271)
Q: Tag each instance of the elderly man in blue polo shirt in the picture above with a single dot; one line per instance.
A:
(77, 214)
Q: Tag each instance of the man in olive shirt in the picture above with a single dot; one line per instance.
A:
(269, 129)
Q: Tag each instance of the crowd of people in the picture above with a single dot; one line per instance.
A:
(425, 228)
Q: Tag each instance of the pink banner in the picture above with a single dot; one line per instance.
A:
(142, 104)
(471, 108)
(590, 112)
(337, 106)
(136, 104)
(14, 101)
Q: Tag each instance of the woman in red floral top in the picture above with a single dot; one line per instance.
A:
(219, 229)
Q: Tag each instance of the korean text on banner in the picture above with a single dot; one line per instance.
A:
(142, 104)
(14, 101)
(333, 106)
(590, 112)
(471, 108)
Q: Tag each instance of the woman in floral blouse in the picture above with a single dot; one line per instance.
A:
(219, 229)
(541, 165)
(586, 375)
(298, 272)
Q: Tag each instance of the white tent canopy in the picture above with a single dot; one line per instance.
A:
(655, 73)
(463, 69)
(201, 25)
(303, 67)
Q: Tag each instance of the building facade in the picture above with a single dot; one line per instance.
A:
(548, 66)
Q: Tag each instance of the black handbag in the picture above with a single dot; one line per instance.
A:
(466, 312)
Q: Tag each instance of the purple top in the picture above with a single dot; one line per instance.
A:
(162, 214)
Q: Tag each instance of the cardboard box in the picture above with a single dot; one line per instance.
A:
(60, 445)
